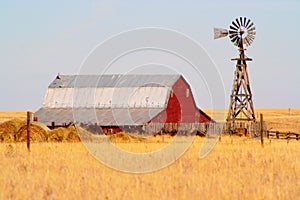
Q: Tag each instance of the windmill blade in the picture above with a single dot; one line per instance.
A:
(233, 35)
(234, 24)
(233, 32)
(247, 23)
(234, 39)
(220, 32)
(241, 21)
(244, 21)
(251, 38)
(247, 42)
(251, 33)
(250, 41)
(233, 28)
(250, 25)
(237, 21)
(251, 29)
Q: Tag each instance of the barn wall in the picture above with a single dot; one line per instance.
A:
(181, 107)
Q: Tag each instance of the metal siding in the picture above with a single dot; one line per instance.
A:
(58, 97)
(84, 97)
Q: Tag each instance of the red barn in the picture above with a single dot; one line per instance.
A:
(115, 102)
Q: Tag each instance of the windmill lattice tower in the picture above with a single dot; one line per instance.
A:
(241, 32)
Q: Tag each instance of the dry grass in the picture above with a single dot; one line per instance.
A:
(9, 115)
(279, 119)
(236, 169)
(282, 119)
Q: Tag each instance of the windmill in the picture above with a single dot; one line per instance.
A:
(241, 32)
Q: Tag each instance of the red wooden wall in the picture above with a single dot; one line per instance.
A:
(181, 107)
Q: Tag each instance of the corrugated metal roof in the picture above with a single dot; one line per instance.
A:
(103, 117)
(108, 100)
(113, 80)
(106, 97)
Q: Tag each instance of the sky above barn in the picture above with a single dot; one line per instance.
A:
(39, 39)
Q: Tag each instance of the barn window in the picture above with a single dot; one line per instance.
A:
(187, 94)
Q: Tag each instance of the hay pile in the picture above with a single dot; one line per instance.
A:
(15, 130)
(86, 136)
(61, 134)
(9, 129)
(38, 133)
(122, 137)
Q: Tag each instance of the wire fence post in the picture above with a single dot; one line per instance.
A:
(261, 130)
(29, 116)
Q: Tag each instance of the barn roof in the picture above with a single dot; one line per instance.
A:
(113, 80)
(108, 100)
(104, 116)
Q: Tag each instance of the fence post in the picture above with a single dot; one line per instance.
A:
(261, 130)
(29, 116)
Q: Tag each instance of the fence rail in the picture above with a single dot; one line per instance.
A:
(251, 129)
(282, 135)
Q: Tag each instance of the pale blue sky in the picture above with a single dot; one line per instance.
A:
(39, 39)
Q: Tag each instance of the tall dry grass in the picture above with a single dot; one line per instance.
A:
(237, 168)
(8, 115)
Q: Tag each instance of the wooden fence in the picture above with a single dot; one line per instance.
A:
(282, 135)
(251, 129)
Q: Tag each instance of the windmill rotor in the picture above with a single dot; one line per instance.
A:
(241, 31)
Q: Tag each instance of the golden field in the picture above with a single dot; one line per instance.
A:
(8, 115)
(279, 119)
(237, 168)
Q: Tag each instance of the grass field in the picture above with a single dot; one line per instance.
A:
(279, 119)
(8, 115)
(237, 168)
